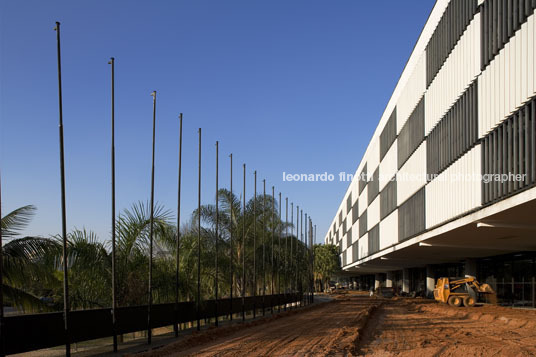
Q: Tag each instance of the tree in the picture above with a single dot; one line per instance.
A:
(326, 264)
(22, 261)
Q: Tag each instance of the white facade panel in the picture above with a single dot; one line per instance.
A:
(412, 176)
(363, 246)
(459, 70)
(355, 189)
(389, 230)
(355, 231)
(412, 92)
(508, 81)
(363, 199)
(349, 256)
(456, 190)
(373, 159)
(388, 165)
(373, 213)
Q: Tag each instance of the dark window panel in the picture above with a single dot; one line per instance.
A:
(374, 240)
(411, 134)
(363, 224)
(363, 179)
(388, 135)
(450, 28)
(374, 185)
(455, 134)
(510, 149)
(388, 199)
(411, 216)
(500, 20)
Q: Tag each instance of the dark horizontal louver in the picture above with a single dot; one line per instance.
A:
(411, 216)
(499, 22)
(412, 134)
(355, 211)
(349, 238)
(374, 239)
(374, 186)
(388, 135)
(363, 224)
(388, 199)
(349, 203)
(453, 23)
(510, 149)
(355, 252)
(344, 226)
(455, 133)
(363, 179)
(340, 218)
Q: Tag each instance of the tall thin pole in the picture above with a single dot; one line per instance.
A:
(273, 233)
(279, 258)
(151, 229)
(217, 237)
(2, 327)
(313, 265)
(63, 206)
(254, 243)
(244, 248)
(291, 256)
(231, 244)
(307, 257)
(263, 246)
(286, 248)
(198, 302)
(304, 248)
(177, 251)
(298, 249)
(114, 301)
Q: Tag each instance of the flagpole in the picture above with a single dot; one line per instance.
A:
(217, 238)
(114, 301)
(177, 250)
(198, 302)
(244, 247)
(151, 228)
(63, 206)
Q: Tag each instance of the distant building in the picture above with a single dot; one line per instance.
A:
(464, 109)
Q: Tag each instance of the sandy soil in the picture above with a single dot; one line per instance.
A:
(358, 325)
(411, 327)
(331, 328)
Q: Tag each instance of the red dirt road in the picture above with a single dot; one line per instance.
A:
(358, 325)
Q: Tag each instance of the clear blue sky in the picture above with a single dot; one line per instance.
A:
(295, 86)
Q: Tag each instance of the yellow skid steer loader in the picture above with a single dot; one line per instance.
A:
(458, 291)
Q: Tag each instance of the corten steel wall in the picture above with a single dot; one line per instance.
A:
(464, 104)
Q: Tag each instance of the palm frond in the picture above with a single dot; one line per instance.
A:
(15, 221)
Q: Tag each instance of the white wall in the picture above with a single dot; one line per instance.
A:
(412, 93)
(458, 72)
(415, 166)
(447, 196)
(389, 230)
(508, 81)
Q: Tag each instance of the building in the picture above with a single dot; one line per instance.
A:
(447, 185)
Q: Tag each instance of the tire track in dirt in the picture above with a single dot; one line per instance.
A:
(330, 329)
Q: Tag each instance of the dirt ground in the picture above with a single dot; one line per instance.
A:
(352, 325)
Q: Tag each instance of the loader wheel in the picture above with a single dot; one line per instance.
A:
(468, 301)
(455, 301)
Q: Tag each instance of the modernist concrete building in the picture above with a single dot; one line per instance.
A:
(464, 109)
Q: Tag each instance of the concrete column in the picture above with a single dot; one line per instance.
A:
(389, 279)
(470, 267)
(430, 281)
(405, 280)
(377, 280)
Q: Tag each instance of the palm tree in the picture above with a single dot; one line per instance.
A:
(22, 260)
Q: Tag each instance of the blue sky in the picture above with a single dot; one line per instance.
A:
(286, 86)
